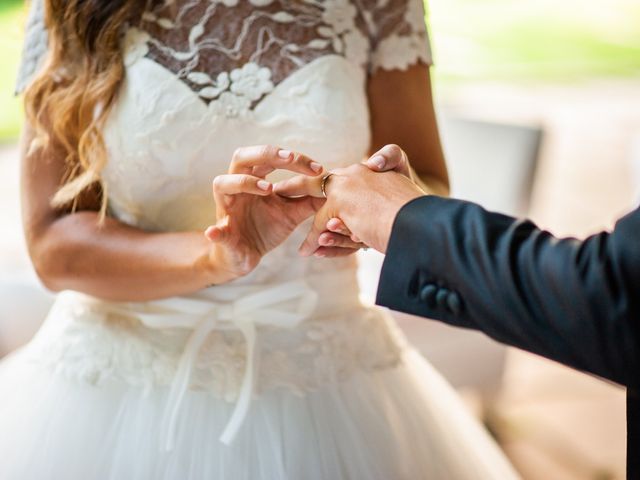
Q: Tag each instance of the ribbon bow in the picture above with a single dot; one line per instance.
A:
(285, 306)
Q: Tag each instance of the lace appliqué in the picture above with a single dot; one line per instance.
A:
(402, 39)
(233, 52)
(95, 349)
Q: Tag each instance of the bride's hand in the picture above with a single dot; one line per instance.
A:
(250, 219)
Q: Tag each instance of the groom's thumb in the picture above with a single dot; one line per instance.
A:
(389, 157)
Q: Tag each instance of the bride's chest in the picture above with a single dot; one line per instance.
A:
(203, 42)
(204, 81)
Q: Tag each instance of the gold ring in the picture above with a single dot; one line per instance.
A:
(323, 184)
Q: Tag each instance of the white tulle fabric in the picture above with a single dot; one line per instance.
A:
(283, 374)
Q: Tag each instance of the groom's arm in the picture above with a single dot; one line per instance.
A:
(577, 302)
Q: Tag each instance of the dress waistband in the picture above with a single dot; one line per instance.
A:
(284, 305)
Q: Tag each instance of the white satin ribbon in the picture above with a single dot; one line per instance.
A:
(285, 305)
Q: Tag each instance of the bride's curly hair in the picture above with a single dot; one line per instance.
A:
(68, 102)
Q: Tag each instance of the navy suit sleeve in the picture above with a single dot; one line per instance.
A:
(576, 302)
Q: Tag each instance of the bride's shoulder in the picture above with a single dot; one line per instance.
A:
(397, 32)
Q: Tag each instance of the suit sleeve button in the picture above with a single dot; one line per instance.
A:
(427, 294)
(441, 297)
(454, 303)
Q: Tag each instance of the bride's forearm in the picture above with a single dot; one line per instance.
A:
(117, 262)
(110, 260)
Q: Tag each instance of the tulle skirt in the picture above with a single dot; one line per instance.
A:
(400, 423)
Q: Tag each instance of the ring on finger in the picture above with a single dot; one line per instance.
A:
(323, 184)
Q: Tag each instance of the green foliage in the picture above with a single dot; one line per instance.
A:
(11, 26)
(535, 40)
(9, 5)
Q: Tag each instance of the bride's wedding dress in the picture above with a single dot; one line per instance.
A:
(283, 374)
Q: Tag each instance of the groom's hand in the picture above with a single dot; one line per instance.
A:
(389, 158)
(366, 201)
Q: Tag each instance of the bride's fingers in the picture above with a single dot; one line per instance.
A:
(218, 232)
(310, 243)
(299, 186)
(214, 233)
(264, 159)
(233, 184)
(330, 239)
(299, 209)
(226, 186)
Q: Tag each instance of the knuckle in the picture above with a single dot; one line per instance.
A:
(218, 182)
(245, 181)
(293, 158)
(237, 154)
(355, 169)
(266, 151)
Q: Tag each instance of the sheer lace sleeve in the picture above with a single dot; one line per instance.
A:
(398, 34)
(35, 46)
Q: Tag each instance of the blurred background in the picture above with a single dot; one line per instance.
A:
(539, 105)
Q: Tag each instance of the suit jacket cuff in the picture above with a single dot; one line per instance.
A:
(409, 248)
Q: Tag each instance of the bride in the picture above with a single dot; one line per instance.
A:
(170, 355)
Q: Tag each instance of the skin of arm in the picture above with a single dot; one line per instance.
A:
(117, 262)
(110, 260)
(402, 112)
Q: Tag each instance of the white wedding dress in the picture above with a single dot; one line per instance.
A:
(283, 374)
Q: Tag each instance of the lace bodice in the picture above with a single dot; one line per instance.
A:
(234, 52)
(245, 47)
(204, 77)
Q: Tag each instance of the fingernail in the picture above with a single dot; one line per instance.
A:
(263, 185)
(377, 161)
(319, 255)
(329, 242)
(284, 153)
(316, 167)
